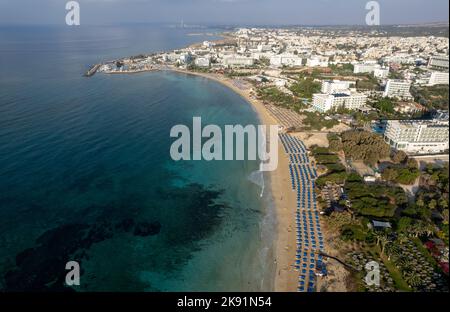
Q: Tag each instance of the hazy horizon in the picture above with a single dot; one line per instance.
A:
(224, 12)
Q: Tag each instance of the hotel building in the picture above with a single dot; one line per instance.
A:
(325, 102)
(236, 61)
(438, 78)
(333, 86)
(418, 136)
(439, 62)
(397, 89)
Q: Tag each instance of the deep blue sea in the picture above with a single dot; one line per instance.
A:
(86, 174)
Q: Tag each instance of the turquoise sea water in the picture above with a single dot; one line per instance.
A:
(86, 174)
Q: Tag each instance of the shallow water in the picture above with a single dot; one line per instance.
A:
(86, 172)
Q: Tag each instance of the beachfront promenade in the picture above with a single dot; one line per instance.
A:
(308, 262)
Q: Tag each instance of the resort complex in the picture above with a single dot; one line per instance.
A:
(364, 129)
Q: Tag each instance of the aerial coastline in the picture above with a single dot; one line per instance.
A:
(269, 82)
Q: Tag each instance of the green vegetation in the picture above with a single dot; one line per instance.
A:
(365, 146)
(433, 199)
(406, 176)
(334, 142)
(342, 69)
(198, 69)
(370, 83)
(405, 171)
(410, 265)
(316, 121)
(396, 275)
(305, 88)
(385, 105)
(434, 97)
(335, 170)
(278, 98)
(375, 200)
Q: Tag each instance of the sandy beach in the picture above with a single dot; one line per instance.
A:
(286, 278)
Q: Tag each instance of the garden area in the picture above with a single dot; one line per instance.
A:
(433, 97)
(278, 98)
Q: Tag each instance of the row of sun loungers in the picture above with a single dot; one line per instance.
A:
(286, 117)
(309, 236)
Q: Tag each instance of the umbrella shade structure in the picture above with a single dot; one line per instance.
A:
(309, 236)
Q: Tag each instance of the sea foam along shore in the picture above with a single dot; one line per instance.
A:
(285, 278)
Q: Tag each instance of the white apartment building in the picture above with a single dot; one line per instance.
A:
(439, 62)
(264, 47)
(236, 61)
(418, 136)
(438, 78)
(202, 61)
(207, 44)
(381, 73)
(325, 102)
(334, 86)
(286, 60)
(364, 68)
(317, 61)
(185, 58)
(397, 89)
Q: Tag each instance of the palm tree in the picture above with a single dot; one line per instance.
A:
(392, 250)
(429, 229)
(384, 240)
(416, 230)
(403, 263)
(402, 238)
(413, 279)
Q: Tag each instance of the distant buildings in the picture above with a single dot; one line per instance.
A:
(439, 62)
(409, 108)
(397, 89)
(317, 61)
(333, 86)
(238, 61)
(207, 44)
(365, 68)
(287, 60)
(381, 73)
(418, 136)
(438, 78)
(185, 58)
(202, 62)
(349, 100)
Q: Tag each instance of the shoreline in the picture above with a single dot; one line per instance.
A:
(284, 245)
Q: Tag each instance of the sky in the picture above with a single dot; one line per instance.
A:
(230, 12)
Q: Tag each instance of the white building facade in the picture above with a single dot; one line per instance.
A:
(238, 61)
(317, 61)
(326, 102)
(365, 68)
(418, 136)
(286, 60)
(333, 86)
(439, 62)
(438, 78)
(202, 62)
(397, 89)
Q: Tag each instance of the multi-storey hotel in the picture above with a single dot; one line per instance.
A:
(397, 89)
(333, 86)
(438, 78)
(325, 102)
(418, 136)
(439, 62)
(368, 67)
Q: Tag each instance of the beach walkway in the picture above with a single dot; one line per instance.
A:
(309, 237)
